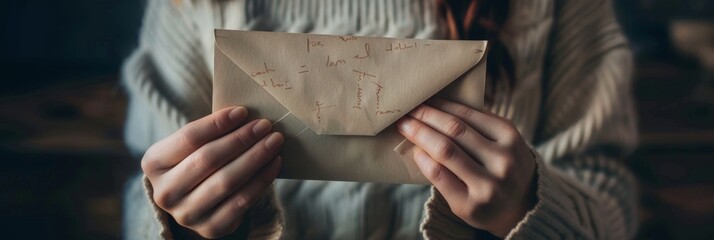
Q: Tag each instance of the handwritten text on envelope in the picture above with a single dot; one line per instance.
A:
(336, 98)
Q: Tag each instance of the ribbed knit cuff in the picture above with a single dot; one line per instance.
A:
(565, 209)
(265, 216)
(159, 214)
(440, 222)
(546, 219)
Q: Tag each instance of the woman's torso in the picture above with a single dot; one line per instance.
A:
(347, 210)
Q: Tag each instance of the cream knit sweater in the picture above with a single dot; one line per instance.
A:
(571, 101)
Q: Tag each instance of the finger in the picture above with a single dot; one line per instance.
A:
(212, 156)
(450, 186)
(229, 213)
(174, 148)
(461, 133)
(441, 149)
(232, 176)
(488, 124)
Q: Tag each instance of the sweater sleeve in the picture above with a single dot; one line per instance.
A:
(168, 83)
(587, 127)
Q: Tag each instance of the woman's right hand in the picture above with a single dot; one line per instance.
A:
(207, 174)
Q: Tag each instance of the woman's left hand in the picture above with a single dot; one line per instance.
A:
(477, 160)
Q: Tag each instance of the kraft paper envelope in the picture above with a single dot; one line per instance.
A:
(336, 98)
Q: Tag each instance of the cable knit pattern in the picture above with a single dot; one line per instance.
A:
(571, 101)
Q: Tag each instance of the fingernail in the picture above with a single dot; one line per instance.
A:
(404, 125)
(238, 114)
(261, 127)
(274, 141)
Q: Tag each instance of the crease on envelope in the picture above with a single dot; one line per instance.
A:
(348, 87)
(348, 91)
(281, 118)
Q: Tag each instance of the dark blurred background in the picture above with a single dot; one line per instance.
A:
(62, 110)
(61, 115)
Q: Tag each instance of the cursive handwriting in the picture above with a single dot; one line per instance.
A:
(393, 111)
(358, 104)
(274, 84)
(304, 69)
(393, 47)
(348, 38)
(363, 74)
(366, 50)
(379, 91)
(313, 43)
(283, 85)
(266, 71)
(360, 76)
(334, 63)
(318, 107)
(378, 111)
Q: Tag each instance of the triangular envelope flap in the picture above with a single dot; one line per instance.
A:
(348, 85)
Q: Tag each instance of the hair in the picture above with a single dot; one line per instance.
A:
(482, 20)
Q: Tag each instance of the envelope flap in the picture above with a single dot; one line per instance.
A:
(347, 85)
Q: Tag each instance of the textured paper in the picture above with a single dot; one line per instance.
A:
(336, 98)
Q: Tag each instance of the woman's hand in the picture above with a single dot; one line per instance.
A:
(477, 160)
(207, 174)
